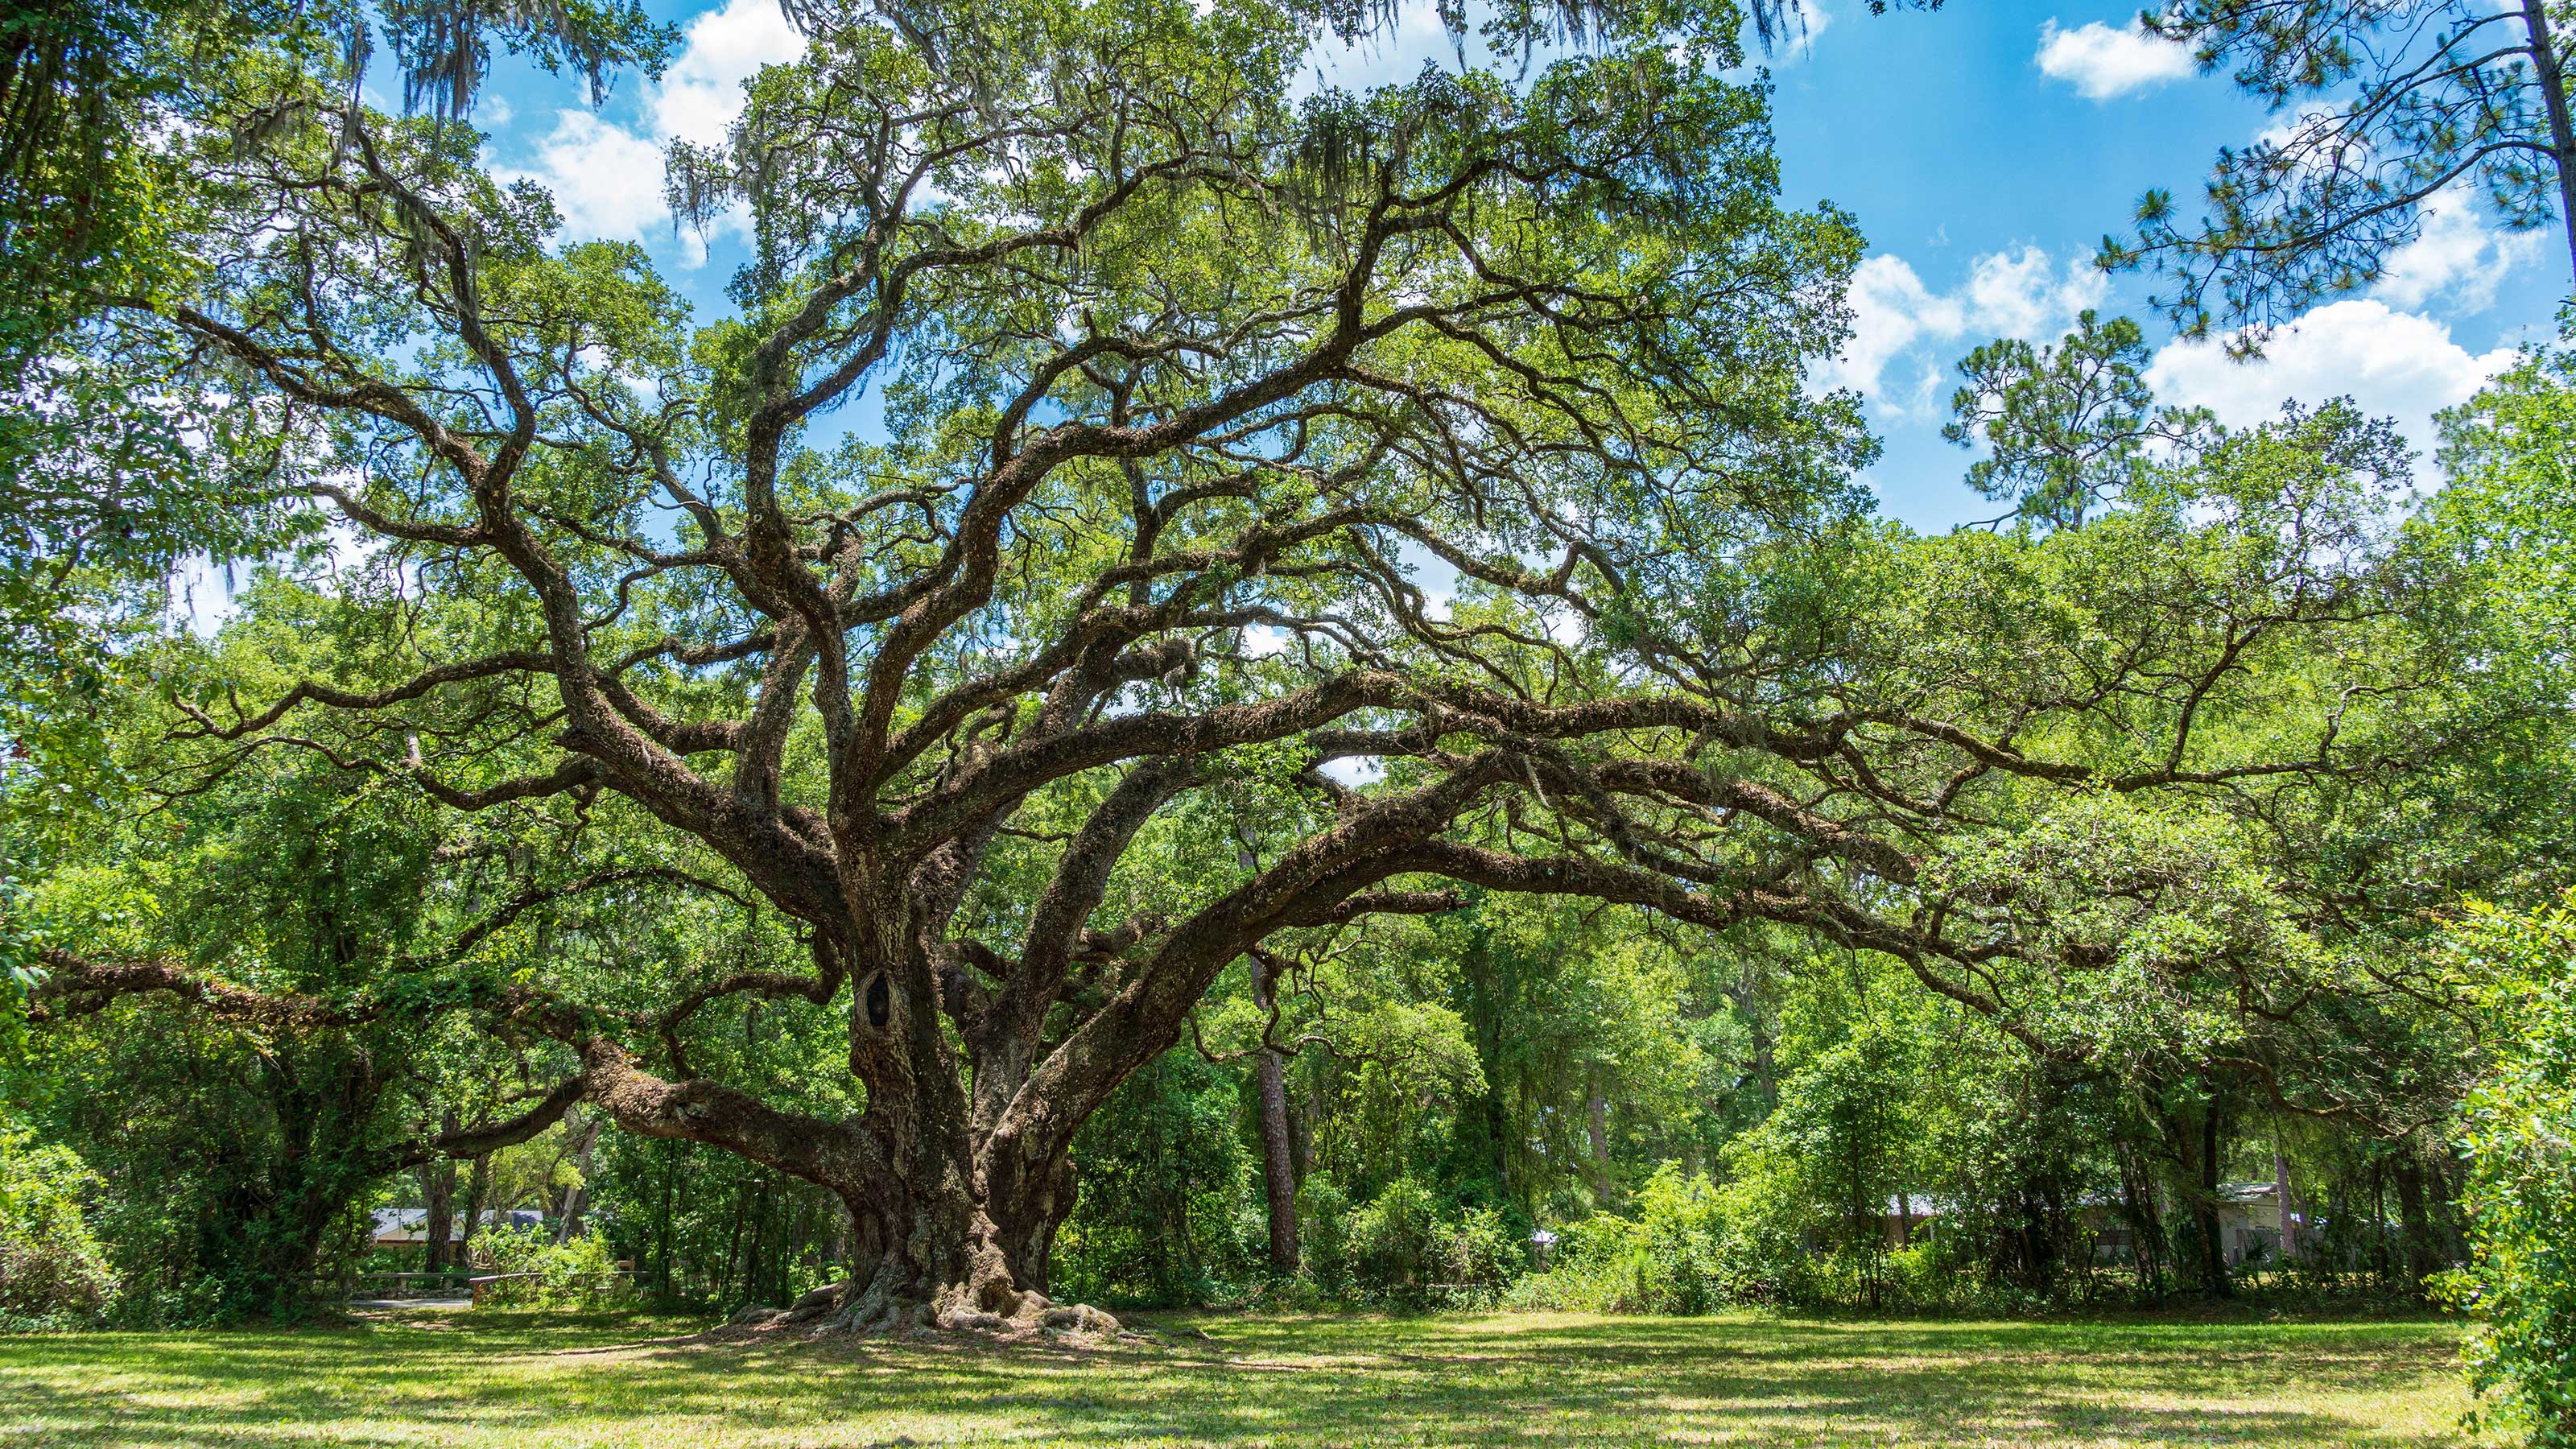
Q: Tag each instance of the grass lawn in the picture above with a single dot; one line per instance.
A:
(526, 1379)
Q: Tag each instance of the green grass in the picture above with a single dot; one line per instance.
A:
(524, 1380)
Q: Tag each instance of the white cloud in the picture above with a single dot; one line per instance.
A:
(1394, 57)
(2391, 363)
(2101, 62)
(1896, 318)
(607, 179)
(702, 91)
(2022, 294)
(1356, 770)
(1804, 25)
(1891, 311)
(2456, 254)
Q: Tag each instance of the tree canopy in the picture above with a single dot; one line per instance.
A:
(1369, 572)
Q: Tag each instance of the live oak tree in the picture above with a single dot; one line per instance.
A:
(1116, 661)
(100, 494)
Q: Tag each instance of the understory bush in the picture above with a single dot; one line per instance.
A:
(1168, 1205)
(2519, 1138)
(578, 1272)
(1679, 1253)
(1692, 1245)
(53, 1272)
(1408, 1246)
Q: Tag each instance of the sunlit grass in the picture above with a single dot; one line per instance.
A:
(529, 1379)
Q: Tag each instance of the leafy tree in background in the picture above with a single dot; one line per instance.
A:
(106, 483)
(2071, 427)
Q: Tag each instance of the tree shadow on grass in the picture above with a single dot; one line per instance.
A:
(1321, 1381)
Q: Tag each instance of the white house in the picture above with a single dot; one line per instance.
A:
(409, 1227)
(2249, 1222)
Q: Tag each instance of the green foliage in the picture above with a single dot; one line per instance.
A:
(2518, 1139)
(1672, 1256)
(2069, 427)
(1169, 1209)
(54, 1272)
(2507, 519)
(1394, 1238)
(575, 1274)
(2389, 105)
(1408, 1246)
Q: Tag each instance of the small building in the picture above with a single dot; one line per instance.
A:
(409, 1227)
(2249, 1222)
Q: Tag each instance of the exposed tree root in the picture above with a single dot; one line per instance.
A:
(879, 1312)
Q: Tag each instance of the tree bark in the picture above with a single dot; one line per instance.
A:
(478, 1186)
(1279, 1169)
(2281, 1203)
(954, 1227)
(438, 1189)
(2202, 1153)
(2549, 75)
(2415, 1225)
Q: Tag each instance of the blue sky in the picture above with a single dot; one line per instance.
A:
(1985, 149)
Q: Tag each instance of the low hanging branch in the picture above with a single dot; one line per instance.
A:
(1186, 402)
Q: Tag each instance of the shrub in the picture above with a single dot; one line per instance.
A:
(1395, 1239)
(1323, 1229)
(1407, 1245)
(2518, 1135)
(53, 1273)
(1170, 1209)
(1676, 1256)
(1478, 1252)
(578, 1272)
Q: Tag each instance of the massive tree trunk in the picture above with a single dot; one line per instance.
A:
(954, 1190)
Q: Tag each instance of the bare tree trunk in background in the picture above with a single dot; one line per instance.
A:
(2415, 1224)
(585, 1141)
(2146, 1225)
(2201, 1162)
(438, 1190)
(1596, 1126)
(1278, 1147)
(478, 1186)
(2281, 1202)
(2446, 1213)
